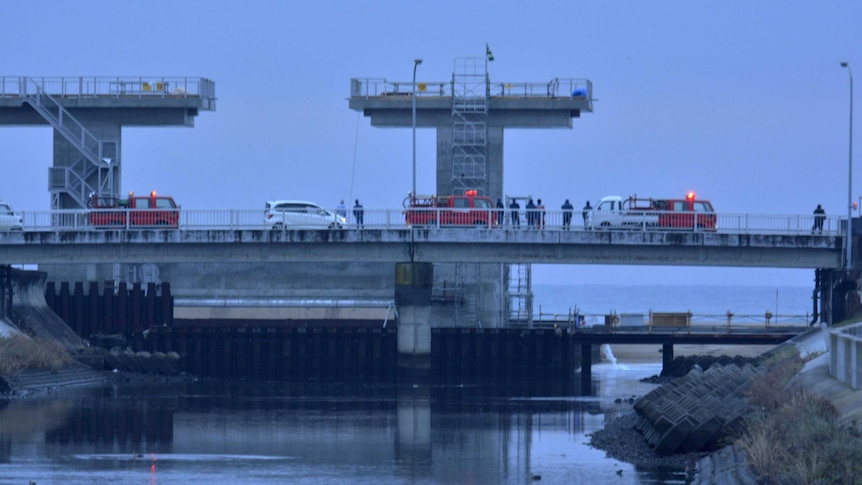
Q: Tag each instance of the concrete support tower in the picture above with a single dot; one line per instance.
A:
(470, 113)
(87, 115)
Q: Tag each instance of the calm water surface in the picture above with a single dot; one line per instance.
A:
(273, 432)
(330, 433)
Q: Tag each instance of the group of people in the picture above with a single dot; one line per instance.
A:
(535, 213)
(358, 212)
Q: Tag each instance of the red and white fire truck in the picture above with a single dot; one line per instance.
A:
(134, 211)
(686, 213)
(469, 209)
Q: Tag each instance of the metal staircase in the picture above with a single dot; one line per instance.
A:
(470, 126)
(467, 305)
(519, 297)
(93, 173)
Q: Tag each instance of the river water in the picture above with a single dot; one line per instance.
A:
(329, 432)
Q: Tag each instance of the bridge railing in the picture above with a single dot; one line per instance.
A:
(249, 219)
(120, 86)
(555, 88)
(672, 322)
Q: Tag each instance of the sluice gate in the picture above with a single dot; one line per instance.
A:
(140, 319)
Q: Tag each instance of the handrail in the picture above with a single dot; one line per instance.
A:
(728, 223)
(118, 86)
(555, 88)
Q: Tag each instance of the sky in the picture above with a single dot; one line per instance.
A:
(743, 102)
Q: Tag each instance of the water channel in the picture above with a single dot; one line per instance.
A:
(322, 432)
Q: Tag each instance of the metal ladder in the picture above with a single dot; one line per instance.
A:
(467, 305)
(470, 126)
(98, 155)
(519, 299)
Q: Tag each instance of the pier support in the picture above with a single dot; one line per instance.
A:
(666, 356)
(586, 370)
(413, 283)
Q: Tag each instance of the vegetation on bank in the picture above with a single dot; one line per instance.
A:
(19, 353)
(795, 437)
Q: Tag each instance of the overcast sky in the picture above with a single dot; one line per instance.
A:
(743, 102)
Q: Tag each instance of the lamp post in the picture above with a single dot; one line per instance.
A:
(849, 256)
(416, 63)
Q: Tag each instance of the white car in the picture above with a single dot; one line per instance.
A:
(300, 214)
(9, 221)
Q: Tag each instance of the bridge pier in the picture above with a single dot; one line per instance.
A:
(838, 294)
(586, 369)
(413, 283)
(666, 356)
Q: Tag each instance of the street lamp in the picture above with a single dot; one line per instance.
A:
(850, 175)
(416, 63)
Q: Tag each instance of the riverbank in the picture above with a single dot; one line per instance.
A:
(621, 441)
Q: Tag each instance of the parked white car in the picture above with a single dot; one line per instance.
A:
(9, 221)
(300, 214)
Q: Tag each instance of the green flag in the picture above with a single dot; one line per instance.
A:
(488, 53)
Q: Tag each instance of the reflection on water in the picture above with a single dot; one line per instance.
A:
(321, 432)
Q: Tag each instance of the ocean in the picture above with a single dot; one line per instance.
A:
(358, 432)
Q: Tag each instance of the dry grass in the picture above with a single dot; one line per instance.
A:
(19, 353)
(796, 437)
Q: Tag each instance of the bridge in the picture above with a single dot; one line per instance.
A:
(742, 240)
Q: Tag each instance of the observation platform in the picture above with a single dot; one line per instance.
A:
(130, 101)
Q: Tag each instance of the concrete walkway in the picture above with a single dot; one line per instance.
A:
(815, 377)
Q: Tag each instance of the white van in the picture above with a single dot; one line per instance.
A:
(300, 214)
(9, 221)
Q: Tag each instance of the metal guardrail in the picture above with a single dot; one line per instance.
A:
(233, 219)
(120, 86)
(555, 88)
(727, 323)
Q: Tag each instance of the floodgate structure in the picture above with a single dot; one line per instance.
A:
(240, 296)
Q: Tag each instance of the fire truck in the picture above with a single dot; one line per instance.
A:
(134, 211)
(686, 213)
(469, 209)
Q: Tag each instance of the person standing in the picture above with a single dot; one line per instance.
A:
(587, 209)
(341, 210)
(531, 213)
(500, 212)
(819, 217)
(516, 216)
(567, 214)
(540, 214)
(359, 214)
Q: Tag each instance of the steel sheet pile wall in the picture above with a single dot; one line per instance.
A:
(284, 353)
(120, 310)
(460, 354)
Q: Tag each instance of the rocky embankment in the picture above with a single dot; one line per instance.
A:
(687, 422)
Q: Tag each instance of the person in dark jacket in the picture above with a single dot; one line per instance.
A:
(500, 212)
(567, 214)
(819, 217)
(531, 213)
(516, 216)
(359, 214)
(587, 208)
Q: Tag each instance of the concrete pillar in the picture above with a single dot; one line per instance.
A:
(586, 370)
(413, 283)
(666, 356)
(494, 161)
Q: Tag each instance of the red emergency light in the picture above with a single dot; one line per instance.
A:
(689, 196)
(470, 192)
(153, 193)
